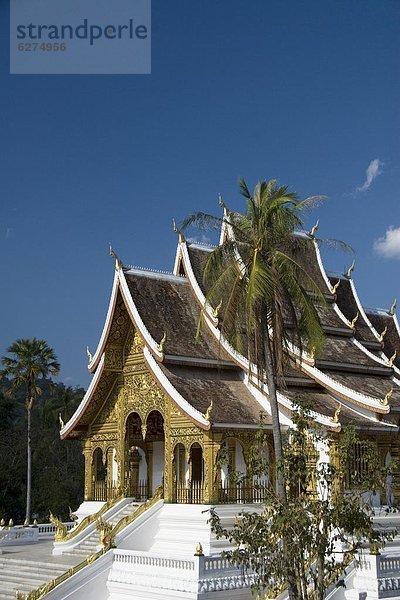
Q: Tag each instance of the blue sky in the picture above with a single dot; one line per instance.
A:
(306, 91)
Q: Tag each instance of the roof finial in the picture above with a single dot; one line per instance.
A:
(313, 230)
(89, 354)
(392, 359)
(217, 309)
(335, 287)
(207, 414)
(61, 421)
(222, 203)
(118, 261)
(393, 307)
(178, 231)
(382, 335)
(385, 400)
(337, 413)
(354, 321)
(350, 269)
(160, 346)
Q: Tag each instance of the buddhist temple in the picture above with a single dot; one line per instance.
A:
(164, 405)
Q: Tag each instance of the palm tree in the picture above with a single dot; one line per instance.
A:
(267, 300)
(30, 361)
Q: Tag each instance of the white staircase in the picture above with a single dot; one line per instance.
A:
(91, 544)
(26, 575)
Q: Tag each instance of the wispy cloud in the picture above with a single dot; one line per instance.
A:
(9, 233)
(373, 170)
(389, 245)
(199, 240)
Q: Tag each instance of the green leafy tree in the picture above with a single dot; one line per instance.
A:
(318, 530)
(29, 361)
(267, 299)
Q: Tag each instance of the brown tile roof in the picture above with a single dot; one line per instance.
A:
(166, 305)
(232, 401)
(348, 305)
(391, 341)
(376, 387)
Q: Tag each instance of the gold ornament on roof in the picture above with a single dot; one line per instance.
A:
(61, 421)
(393, 307)
(89, 355)
(392, 359)
(160, 346)
(314, 229)
(181, 237)
(385, 400)
(354, 321)
(337, 413)
(382, 335)
(217, 309)
(350, 269)
(335, 287)
(222, 203)
(118, 261)
(207, 414)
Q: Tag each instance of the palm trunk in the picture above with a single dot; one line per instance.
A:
(29, 467)
(276, 427)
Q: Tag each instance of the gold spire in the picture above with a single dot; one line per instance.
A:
(90, 357)
(350, 269)
(313, 230)
(337, 413)
(217, 309)
(198, 550)
(382, 335)
(207, 414)
(118, 261)
(393, 307)
(392, 359)
(385, 400)
(160, 346)
(354, 321)
(335, 287)
(222, 203)
(181, 237)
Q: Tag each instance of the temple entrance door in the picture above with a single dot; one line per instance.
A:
(136, 476)
(99, 492)
(154, 439)
(197, 473)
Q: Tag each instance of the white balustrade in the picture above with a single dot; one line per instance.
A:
(379, 575)
(199, 575)
(18, 534)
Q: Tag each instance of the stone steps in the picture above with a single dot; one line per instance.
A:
(26, 575)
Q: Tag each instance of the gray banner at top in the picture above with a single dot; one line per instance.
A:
(80, 37)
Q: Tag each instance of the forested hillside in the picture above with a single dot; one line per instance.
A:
(57, 466)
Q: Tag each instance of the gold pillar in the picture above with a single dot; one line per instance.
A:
(87, 453)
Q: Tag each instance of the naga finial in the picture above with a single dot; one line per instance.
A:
(337, 413)
(181, 237)
(89, 354)
(382, 335)
(61, 421)
(385, 400)
(207, 414)
(393, 307)
(392, 359)
(118, 261)
(335, 287)
(350, 269)
(160, 346)
(354, 321)
(313, 229)
(222, 203)
(217, 309)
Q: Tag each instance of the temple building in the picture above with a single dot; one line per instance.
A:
(163, 406)
(168, 422)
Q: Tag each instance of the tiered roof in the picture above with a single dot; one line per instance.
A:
(354, 380)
